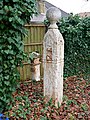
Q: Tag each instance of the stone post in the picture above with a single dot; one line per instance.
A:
(53, 58)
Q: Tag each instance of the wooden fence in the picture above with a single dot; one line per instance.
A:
(32, 42)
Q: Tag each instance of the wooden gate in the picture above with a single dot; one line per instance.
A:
(32, 42)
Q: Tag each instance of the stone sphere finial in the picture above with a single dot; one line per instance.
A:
(53, 15)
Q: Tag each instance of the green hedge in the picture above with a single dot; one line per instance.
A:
(76, 34)
(13, 15)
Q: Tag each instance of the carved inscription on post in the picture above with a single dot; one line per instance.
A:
(49, 55)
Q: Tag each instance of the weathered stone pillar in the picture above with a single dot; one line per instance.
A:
(53, 58)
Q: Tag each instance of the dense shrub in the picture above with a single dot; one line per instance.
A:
(13, 15)
(76, 33)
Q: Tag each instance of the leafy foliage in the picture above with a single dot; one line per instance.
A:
(31, 104)
(13, 15)
(76, 33)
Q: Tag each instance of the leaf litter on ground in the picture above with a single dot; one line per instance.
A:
(30, 104)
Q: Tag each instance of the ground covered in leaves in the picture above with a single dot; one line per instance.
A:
(31, 105)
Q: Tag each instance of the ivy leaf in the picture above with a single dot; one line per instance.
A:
(6, 8)
(7, 83)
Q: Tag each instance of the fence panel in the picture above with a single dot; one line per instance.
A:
(32, 42)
